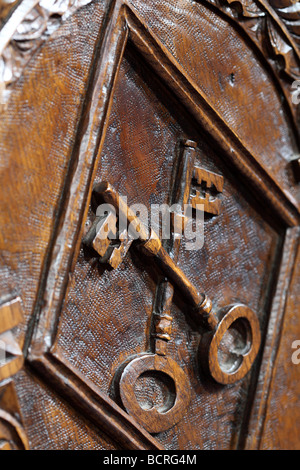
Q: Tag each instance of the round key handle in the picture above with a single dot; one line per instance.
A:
(244, 357)
(155, 420)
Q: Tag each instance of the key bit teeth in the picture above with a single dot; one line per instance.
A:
(101, 234)
(118, 253)
(152, 245)
(101, 246)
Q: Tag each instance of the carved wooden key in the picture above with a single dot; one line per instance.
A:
(200, 305)
(157, 420)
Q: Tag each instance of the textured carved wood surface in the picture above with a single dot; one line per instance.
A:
(98, 90)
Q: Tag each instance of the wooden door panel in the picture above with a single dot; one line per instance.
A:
(107, 315)
(115, 105)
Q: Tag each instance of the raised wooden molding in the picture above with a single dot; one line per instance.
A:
(94, 405)
(252, 435)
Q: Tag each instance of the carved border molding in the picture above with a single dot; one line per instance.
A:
(255, 429)
(273, 27)
(29, 26)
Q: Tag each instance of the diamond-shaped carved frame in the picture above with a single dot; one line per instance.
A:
(124, 25)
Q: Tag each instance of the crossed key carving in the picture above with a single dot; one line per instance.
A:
(217, 324)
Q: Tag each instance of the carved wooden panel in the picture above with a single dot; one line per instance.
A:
(142, 96)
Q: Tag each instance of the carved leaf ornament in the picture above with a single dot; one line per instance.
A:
(42, 20)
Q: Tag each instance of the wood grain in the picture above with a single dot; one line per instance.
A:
(107, 96)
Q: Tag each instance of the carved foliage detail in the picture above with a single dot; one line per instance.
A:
(36, 27)
(289, 12)
(246, 8)
(274, 27)
(264, 26)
